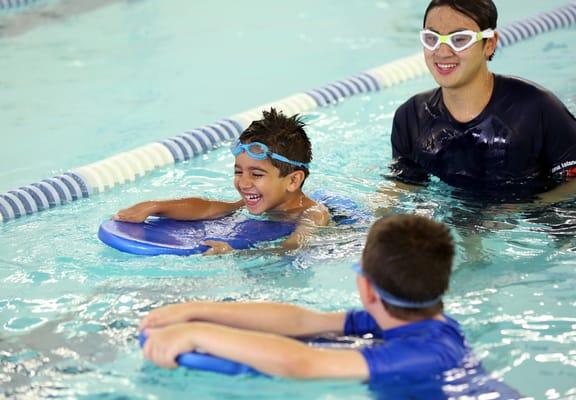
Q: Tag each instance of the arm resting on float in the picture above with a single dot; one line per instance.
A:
(182, 209)
(279, 318)
(269, 353)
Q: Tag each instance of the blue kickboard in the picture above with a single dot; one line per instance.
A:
(166, 236)
(157, 236)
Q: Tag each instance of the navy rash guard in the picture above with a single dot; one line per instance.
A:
(525, 138)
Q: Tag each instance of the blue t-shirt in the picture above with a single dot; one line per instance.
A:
(523, 141)
(423, 348)
(426, 359)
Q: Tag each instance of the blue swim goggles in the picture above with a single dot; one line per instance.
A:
(393, 300)
(259, 151)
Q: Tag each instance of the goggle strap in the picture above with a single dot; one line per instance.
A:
(394, 300)
(287, 161)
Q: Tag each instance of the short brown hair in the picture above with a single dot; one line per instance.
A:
(409, 256)
(284, 136)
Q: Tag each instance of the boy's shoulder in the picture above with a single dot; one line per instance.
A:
(316, 213)
(423, 347)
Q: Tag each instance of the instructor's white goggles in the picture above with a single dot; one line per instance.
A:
(458, 41)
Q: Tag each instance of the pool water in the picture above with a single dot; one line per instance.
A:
(76, 93)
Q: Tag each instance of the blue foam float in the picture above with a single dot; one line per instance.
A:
(157, 236)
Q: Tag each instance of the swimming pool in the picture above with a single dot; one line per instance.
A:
(76, 93)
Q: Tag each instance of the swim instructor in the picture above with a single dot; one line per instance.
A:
(478, 129)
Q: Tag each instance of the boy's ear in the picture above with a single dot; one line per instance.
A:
(295, 180)
(367, 293)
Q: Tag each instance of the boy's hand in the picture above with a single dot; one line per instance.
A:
(137, 213)
(167, 315)
(217, 247)
(165, 344)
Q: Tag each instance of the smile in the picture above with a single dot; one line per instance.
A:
(252, 199)
(445, 68)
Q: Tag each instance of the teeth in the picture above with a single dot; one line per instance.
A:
(253, 196)
(446, 65)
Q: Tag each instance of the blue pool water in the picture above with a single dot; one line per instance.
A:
(88, 85)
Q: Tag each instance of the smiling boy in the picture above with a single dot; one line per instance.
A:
(273, 158)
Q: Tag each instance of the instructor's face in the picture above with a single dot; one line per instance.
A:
(453, 69)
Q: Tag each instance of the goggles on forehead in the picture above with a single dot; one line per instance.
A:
(259, 151)
(393, 300)
(458, 41)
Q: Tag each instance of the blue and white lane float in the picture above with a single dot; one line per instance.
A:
(157, 236)
(125, 167)
(14, 4)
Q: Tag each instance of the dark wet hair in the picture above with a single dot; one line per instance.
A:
(409, 256)
(483, 12)
(283, 135)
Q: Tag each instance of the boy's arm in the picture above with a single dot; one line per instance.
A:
(268, 353)
(310, 220)
(279, 318)
(181, 209)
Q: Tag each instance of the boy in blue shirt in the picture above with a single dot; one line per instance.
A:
(273, 156)
(403, 274)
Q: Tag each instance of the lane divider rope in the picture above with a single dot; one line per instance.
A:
(13, 4)
(84, 181)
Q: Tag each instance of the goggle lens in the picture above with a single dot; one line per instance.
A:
(255, 150)
(430, 40)
(460, 40)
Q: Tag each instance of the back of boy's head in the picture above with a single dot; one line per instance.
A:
(409, 256)
(284, 136)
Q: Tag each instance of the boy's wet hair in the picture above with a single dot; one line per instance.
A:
(483, 12)
(283, 135)
(409, 256)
